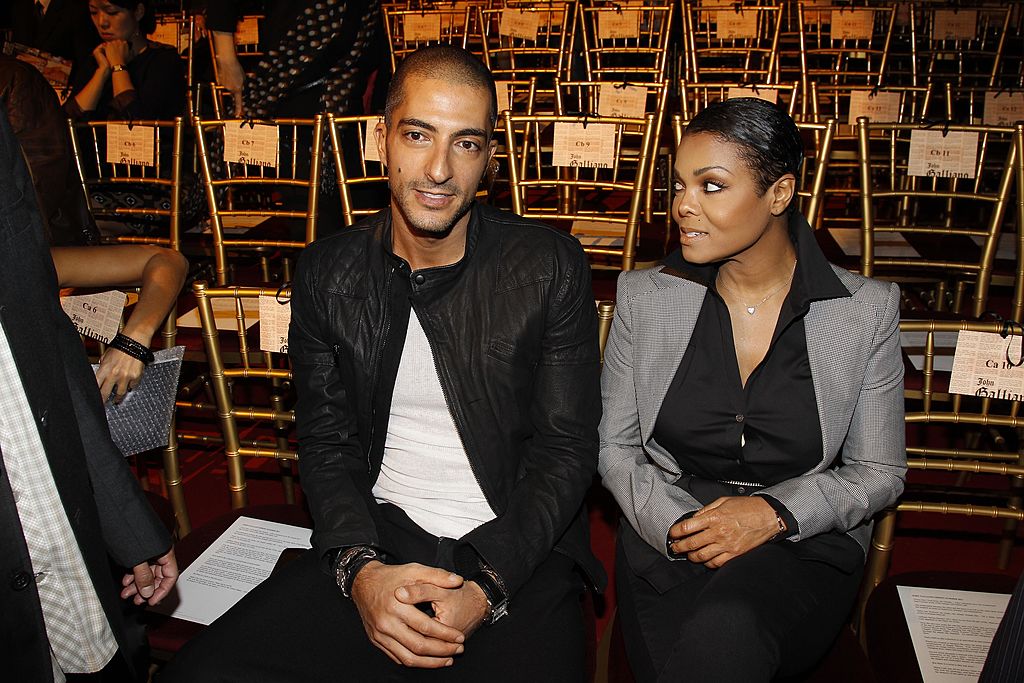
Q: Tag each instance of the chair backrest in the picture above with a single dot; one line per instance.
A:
(599, 194)
(234, 357)
(953, 213)
(845, 45)
(625, 44)
(279, 178)
(731, 42)
(693, 97)
(142, 158)
(526, 40)
(362, 178)
(951, 51)
(818, 139)
(410, 29)
(179, 31)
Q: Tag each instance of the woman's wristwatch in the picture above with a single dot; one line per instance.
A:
(118, 67)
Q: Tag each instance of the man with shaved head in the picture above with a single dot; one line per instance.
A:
(446, 366)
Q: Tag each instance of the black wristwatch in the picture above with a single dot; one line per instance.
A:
(494, 591)
(350, 561)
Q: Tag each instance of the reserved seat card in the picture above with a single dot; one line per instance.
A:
(173, 33)
(576, 146)
(953, 24)
(97, 316)
(985, 365)
(518, 23)
(1003, 108)
(626, 101)
(255, 145)
(421, 28)
(275, 316)
(852, 24)
(935, 155)
(761, 92)
(730, 24)
(879, 107)
(501, 89)
(618, 23)
(814, 17)
(247, 32)
(132, 145)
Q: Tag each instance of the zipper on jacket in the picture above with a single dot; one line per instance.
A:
(454, 414)
(375, 374)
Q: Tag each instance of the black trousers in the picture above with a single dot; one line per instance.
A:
(771, 612)
(296, 626)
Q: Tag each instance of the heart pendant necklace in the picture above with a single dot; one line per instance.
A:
(752, 309)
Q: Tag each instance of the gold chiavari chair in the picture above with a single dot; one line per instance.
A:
(241, 196)
(410, 29)
(625, 43)
(179, 31)
(525, 40)
(518, 97)
(362, 178)
(954, 214)
(731, 42)
(962, 460)
(844, 103)
(583, 98)
(696, 96)
(811, 185)
(605, 315)
(952, 51)
(131, 174)
(598, 196)
(845, 45)
(238, 363)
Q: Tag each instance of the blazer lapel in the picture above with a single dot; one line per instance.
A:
(663, 324)
(837, 354)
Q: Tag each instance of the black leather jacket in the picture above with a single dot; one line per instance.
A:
(513, 330)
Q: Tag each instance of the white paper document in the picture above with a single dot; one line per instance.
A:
(237, 562)
(951, 630)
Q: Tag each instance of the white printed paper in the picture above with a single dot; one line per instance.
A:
(952, 630)
(730, 24)
(612, 24)
(955, 24)
(275, 316)
(984, 366)
(247, 32)
(518, 23)
(1003, 108)
(255, 145)
(852, 24)
(370, 150)
(934, 155)
(421, 28)
(502, 90)
(97, 316)
(880, 107)
(238, 561)
(173, 33)
(766, 93)
(579, 146)
(626, 101)
(224, 314)
(133, 145)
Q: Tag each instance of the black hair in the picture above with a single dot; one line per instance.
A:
(444, 62)
(147, 24)
(768, 139)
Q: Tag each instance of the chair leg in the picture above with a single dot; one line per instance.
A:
(172, 480)
(879, 556)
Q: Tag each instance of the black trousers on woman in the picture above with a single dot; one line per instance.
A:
(296, 626)
(774, 611)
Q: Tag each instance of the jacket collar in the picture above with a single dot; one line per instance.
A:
(438, 275)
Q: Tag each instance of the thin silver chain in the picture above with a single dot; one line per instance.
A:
(751, 310)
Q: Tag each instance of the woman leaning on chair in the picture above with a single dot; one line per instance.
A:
(753, 418)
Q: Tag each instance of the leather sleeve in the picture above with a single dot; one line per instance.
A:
(561, 460)
(333, 467)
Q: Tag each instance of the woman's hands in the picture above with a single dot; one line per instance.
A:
(99, 53)
(118, 52)
(723, 530)
(118, 374)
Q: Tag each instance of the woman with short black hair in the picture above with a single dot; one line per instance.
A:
(753, 418)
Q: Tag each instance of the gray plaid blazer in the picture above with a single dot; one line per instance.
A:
(857, 368)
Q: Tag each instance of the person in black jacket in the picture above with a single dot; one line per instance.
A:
(446, 365)
(69, 504)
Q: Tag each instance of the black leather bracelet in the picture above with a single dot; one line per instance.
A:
(127, 345)
(494, 591)
(348, 563)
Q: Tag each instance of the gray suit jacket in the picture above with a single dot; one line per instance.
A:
(857, 369)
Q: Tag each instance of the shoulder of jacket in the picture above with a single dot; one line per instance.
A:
(863, 288)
